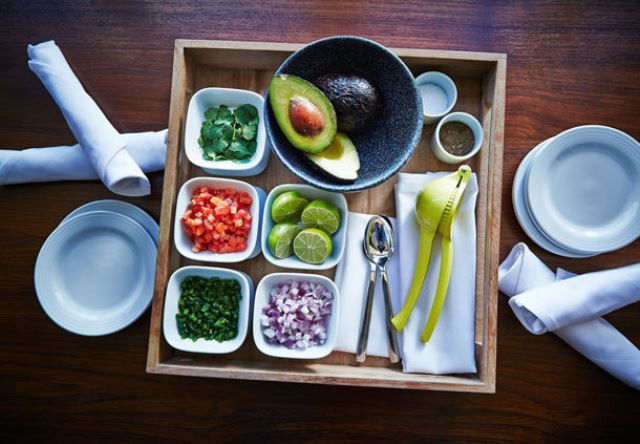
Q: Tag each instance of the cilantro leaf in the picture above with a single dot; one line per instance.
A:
(224, 116)
(238, 147)
(223, 132)
(207, 133)
(250, 130)
(241, 149)
(211, 113)
(219, 145)
(246, 114)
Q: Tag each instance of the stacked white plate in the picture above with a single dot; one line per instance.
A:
(94, 274)
(578, 193)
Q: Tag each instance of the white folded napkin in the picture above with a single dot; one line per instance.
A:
(52, 164)
(451, 348)
(352, 277)
(103, 145)
(564, 298)
(569, 301)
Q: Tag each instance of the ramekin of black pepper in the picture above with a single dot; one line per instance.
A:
(457, 137)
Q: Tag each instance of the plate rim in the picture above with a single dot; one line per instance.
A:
(87, 208)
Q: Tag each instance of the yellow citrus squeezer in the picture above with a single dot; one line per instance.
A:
(436, 209)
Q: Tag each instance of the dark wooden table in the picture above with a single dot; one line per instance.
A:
(569, 64)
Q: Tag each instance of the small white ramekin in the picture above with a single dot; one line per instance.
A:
(199, 103)
(184, 244)
(338, 239)
(471, 122)
(170, 325)
(446, 84)
(262, 298)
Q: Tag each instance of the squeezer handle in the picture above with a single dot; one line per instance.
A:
(422, 263)
(441, 290)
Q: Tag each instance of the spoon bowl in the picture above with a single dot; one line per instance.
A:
(378, 240)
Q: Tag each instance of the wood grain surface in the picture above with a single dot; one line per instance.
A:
(570, 63)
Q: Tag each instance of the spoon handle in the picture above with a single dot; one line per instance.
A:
(392, 340)
(363, 337)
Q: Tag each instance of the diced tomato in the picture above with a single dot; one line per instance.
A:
(218, 220)
(221, 211)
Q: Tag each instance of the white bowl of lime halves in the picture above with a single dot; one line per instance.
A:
(337, 239)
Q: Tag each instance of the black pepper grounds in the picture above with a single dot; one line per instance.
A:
(457, 138)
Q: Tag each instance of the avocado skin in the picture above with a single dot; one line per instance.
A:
(354, 99)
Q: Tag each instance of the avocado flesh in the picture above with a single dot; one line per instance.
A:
(340, 159)
(354, 99)
(282, 90)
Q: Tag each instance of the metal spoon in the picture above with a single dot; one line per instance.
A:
(378, 248)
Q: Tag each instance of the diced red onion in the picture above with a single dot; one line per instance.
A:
(297, 314)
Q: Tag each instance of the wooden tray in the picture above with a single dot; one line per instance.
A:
(480, 78)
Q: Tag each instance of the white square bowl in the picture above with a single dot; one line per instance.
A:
(279, 351)
(183, 242)
(170, 325)
(233, 98)
(338, 239)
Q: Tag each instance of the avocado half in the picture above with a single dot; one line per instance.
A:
(355, 100)
(282, 90)
(341, 159)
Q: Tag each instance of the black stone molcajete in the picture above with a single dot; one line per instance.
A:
(386, 146)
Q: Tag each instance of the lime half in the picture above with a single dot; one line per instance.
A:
(287, 207)
(281, 239)
(312, 246)
(321, 214)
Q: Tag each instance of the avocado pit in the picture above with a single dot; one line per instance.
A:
(306, 118)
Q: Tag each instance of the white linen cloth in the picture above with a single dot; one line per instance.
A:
(102, 144)
(148, 150)
(570, 307)
(352, 277)
(451, 348)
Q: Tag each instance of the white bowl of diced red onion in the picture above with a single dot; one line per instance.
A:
(295, 315)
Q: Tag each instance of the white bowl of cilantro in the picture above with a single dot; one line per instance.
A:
(225, 133)
(206, 309)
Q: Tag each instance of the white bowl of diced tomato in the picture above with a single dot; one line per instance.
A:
(218, 220)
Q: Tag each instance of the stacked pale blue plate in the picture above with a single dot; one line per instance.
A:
(94, 274)
(578, 194)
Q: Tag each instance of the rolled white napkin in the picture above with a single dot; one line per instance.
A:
(148, 150)
(569, 301)
(523, 274)
(451, 348)
(103, 145)
(352, 277)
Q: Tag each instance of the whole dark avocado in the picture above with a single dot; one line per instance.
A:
(354, 99)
